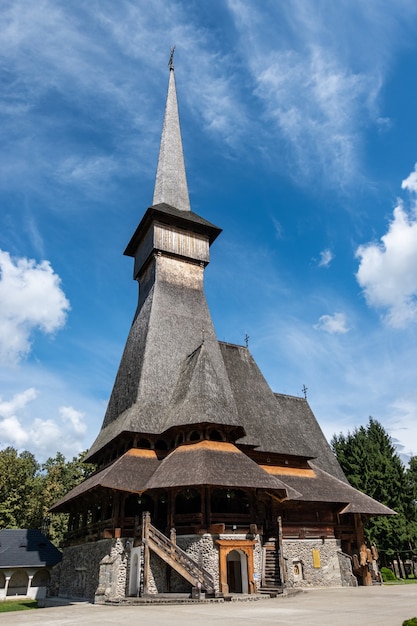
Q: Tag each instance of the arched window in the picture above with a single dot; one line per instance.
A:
(215, 435)
(144, 443)
(195, 436)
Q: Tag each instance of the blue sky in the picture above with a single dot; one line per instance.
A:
(299, 129)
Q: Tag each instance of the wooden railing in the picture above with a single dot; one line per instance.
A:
(172, 554)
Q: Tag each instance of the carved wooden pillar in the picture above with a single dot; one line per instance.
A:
(360, 540)
(203, 507)
(171, 508)
(208, 506)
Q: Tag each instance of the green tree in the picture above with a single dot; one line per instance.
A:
(19, 486)
(372, 465)
(412, 477)
(58, 477)
(28, 490)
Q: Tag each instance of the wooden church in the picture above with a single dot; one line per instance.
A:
(207, 480)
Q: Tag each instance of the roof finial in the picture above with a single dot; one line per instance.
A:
(171, 59)
(304, 390)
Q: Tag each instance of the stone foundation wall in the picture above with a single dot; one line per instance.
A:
(94, 570)
(201, 548)
(204, 550)
(53, 586)
(348, 577)
(301, 571)
(101, 570)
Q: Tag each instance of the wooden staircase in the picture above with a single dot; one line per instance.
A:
(271, 578)
(174, 556)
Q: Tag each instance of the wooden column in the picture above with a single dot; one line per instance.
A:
(282, 570)
(171, 507)
(203, 507)
(208, 507)
(360, 540)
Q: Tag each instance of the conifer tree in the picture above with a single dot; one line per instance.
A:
(372, 465)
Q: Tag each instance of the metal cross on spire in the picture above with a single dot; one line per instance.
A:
(171, 59)
(304, 390)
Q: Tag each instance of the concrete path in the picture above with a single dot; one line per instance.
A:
(382, 606)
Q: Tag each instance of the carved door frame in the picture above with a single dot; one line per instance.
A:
(241, 545)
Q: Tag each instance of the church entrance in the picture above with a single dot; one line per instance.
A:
(237, 572)
(236, 567)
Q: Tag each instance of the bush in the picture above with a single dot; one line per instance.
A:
(410, 622)
(387, 574)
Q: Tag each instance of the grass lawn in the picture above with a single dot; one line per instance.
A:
(17, 605)
(400, 581)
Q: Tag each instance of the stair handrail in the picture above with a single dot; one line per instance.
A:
(151, 534)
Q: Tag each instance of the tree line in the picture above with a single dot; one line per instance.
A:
(28, 489)
(372, 465)
(367, 455)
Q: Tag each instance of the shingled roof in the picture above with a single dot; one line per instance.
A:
(164, 336)
(315, 485)
(27, 548)
(130, 472)
(214, 463)
(304, 427)
(171, 181)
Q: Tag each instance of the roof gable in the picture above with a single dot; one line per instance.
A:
(200, 394)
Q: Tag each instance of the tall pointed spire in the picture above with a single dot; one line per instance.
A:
(171, 182)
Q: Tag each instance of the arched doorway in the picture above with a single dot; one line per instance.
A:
(134, 572)
(237, 572)
(239, 575)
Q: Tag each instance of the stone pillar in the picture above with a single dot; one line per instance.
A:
(30, 576)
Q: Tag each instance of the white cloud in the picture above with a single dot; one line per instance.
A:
(12, 432)
(332, 324)
(308, 86)
(326, 257)
(30, 299)
(410, 183)
(387, 271)
(402, 424)
(17, 403)
(22, 429)
(74, 418)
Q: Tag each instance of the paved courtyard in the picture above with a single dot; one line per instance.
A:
(384, 606)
